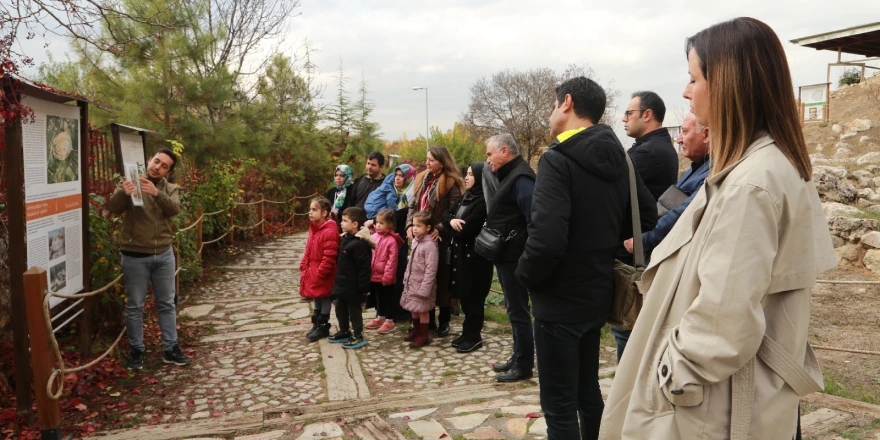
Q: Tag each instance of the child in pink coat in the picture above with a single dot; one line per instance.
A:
(420, 280)
(384, 271)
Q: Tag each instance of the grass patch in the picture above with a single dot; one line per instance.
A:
(497, 314)
(135, 421)
(494, 299)
(398, 377)
(836, 386)
(417, 373)
(449, 373)
(320, 368)
(860, 433)
(498, 415)
(323, 375)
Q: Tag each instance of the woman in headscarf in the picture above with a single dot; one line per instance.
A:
(471, 273)
(388, 195)
(338, 195)
(438, 189)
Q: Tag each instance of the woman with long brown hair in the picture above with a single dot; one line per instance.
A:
(438, 188)
(720, 349)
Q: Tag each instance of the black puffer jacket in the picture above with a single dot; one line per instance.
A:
(353, 266)
(580, 211)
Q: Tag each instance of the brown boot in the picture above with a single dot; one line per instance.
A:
(412, 331)
(421, 338)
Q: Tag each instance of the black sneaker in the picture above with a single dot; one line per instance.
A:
(457, 341)
(176, 357)
(469, 346)
(340, 337)
(135, 359)
(356, 341)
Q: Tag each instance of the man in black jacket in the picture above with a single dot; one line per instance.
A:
(653, 155)
(579, 209)
(509, 213)
(364, 185)
(654, 159)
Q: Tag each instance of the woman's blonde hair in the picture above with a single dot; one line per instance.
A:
(750, 92)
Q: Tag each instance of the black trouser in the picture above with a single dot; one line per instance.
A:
(398, 314)
(386, 305)
(516, 300)
(568, 372)
(349, 312)
(473, 304)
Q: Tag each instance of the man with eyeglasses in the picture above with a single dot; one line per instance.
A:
(654, 159)
(653, 155)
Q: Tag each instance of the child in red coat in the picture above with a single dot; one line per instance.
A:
(384, 271)
(318, 266)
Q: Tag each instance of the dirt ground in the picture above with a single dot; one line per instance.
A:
(848, 316)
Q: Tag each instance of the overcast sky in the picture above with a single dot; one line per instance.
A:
(448, 45)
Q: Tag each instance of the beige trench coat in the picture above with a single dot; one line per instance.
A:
(737, 266)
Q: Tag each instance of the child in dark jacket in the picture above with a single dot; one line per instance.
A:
(318, 266)
(384, 276)
(352, 278)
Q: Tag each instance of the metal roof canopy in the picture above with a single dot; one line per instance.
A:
(861, 40)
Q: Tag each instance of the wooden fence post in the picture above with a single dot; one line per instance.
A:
(231, 237)
(48, 411)
(199, 231)
(261, 210)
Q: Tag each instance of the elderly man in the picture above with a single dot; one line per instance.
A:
(147, 257)
(694, 140)
(509, 212)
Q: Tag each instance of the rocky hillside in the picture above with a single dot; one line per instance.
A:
(846, 160)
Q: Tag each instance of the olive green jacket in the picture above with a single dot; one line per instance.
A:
(147, 229)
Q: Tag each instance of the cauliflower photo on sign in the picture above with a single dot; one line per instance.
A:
(62, 143)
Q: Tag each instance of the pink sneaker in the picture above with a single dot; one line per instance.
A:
(387, 327)
(376, 323)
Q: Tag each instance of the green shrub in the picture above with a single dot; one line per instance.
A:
(850, 76)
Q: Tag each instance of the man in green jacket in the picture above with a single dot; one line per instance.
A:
(147, 256)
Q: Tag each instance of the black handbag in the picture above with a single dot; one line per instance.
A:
(672, 198)
(490, 243)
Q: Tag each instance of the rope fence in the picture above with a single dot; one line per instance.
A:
(54, 385)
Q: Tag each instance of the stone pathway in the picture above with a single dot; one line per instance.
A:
(255, 376)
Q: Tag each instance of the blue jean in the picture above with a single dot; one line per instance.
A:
(516, 300)
(622, 337)
(568, 372)
(159, 270)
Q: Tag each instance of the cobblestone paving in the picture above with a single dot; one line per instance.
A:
(391, 366)
(254, 368)
(239, 375)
